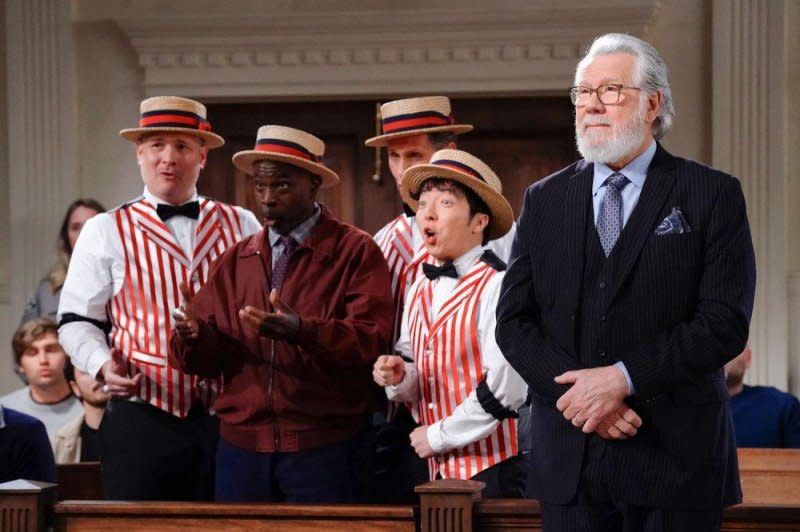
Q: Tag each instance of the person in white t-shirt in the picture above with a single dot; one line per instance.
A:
(41, 359)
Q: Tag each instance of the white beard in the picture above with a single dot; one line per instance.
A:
(624, 140)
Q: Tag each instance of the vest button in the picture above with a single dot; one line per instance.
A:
(602, 354)
(602, 284)
(602, 317)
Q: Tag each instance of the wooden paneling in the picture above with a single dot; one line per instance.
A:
(166, 516)
(81, 481)
(522, 139)
(770, 476)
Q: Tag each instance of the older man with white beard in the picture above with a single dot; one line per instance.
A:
(630, 285)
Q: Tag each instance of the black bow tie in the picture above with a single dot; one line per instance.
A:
(448, 269)
(190, 210)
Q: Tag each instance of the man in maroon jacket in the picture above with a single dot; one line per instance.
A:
(294, 318)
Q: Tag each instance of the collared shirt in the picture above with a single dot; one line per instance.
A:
(469, 421)
(97, 273)
(635, 171)
(299, 233)
(181, 227)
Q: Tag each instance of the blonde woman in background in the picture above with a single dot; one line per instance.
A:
(43, 303)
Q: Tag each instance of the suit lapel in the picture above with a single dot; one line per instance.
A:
(577, 207)
(645, 217)
(146, 219)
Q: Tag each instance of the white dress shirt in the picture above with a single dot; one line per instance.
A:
(97, 272)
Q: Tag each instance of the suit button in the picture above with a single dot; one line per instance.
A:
(572, 317)
(602, 317)
(602, 284)
(602, 354)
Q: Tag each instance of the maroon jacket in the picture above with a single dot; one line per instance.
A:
(289, 396)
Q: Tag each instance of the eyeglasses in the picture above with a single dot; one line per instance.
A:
(608, 94)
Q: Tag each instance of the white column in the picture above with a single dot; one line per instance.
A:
(791, 166)
(748, 141)
(41, 136)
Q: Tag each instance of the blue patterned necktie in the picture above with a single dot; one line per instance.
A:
(609, 221)
(279, 271)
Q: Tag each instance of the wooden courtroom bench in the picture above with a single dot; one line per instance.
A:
(770, 479)
(81, 481)
(770, 476)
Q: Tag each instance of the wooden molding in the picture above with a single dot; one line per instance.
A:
(352, 52)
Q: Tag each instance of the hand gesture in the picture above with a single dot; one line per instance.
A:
(185, 316)
(621, 424)
(282, 324)
(420, 442)
(388, 370)
(115, 374)
(595, 393)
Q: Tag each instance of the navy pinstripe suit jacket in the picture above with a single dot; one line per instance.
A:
(677, 309)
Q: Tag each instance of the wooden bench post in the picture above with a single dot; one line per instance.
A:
(447, 505)
(25, 505)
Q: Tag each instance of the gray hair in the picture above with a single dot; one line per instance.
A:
(651, 72)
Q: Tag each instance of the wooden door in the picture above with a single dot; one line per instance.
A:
(521, 139)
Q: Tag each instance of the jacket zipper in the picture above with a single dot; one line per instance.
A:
(275, 430)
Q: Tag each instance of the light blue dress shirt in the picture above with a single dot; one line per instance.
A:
(636, 172)
(299, 233)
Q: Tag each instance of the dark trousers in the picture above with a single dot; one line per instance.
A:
(594, 510)
(148, 454)
(505, 480)
(330, 474)
(397, 468)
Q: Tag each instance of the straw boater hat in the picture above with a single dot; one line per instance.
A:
(416, 116)
(287, 145)
(173, 114)
(471, 172)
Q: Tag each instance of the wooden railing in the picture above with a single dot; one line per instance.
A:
(770, 479)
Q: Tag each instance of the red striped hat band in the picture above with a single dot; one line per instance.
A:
(174, 118)
(459, 167)
(287, 148)
(421, 120)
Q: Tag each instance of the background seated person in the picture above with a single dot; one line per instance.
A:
(24, 449)
(41, 359)
(763, 416)
(79, 440)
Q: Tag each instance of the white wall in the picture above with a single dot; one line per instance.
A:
(689, 60)
(109, 88)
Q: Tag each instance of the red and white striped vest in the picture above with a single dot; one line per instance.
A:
(405, 263)
(140, 313)
(448, 358)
